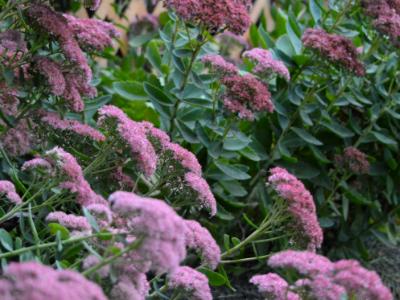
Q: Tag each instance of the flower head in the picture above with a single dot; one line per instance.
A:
(353, 160)
(193, 283)
(246, 95)
(300, 206)
(200, 185)
(272, 286)
(18, 140)
(199, 238)
(34, 281)
(219, 65)
(52, 71)
(162, 230)
(76, 223)
(7, 189)
(230, 15)
(337, 49)
(266, 64)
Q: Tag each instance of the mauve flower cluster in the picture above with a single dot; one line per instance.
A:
(36, 164)
(246, 95)
(219, 65)
(192, 283)
(53, 120)
(300, 205)
(92, 33)
(34, 281)
(386, 15)
(272, 286)
(143, 25)
(91, 261)
(18, 140)
(266, 64)
(52, 71)
(72, 177)
(353, 160)
(7, 189)
(216, 16)
(336, 48)
(158, 224)
(199, 238)
(8, 100)
(152, 149)
(326, 280)
(78, 224)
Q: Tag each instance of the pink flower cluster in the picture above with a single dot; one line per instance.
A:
(91, 261)
(131, 286)
(7, 189)
(143, 139)
(19, 139)
(193, 283)
(328, 280)
(34, 281)
(386, 15)
(300, 205)
(199, 238)
(144, 25)
(245, 95)
(266, 64)
(73, 126)
(272, 286)
(76, 223)
(37, 164)
(8, 100)
(71, 173)
(92, 33)
(52, 71)
(158, 224)
(230, 15)
(219, 65)
(335, 48)
(353, 160)
(133, 134)
(102, 214)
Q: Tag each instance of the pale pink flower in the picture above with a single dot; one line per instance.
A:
(266, 64)
(200, 239)
(272, 286)
(75, 182)
(231, 15)
(69, 221)
(34, 281)
(132, 286)
(219, 65)
(101, 213)
(200, 185)
(74, 126)
(93, 260)
(133, 134)
(92, 33)
(184, 157)
(246, 95)
(193, 283)
(162, 229)
(300, 205)
(335, 48)
(7, 189)
(52, 71)
(37, 164)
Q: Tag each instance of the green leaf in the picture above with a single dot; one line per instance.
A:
(338, 129)
(6, 240)
(55, 227)
(130, 90)
(214, 278)
(153, 55)
(158, 95)
(231, 171)
(383, 138)
(186, 132)
(304, 135)
(294, 39)
(92, 221)
(315, 11)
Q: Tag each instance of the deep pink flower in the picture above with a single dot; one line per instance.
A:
(193, 283)
(52, 71)
(162, 229)
(199, 238)
(74, 126)
(75, 182)
(133, 134)
(336, 48)
(246, 95)
(92, 33)
(266, 64)
(300, 206)
(34, 281)
(230, 15)
(200, 185)
(186, 158)
(353, 160)
(219, 65)
(272, 286)
(7, 189)
(69, 221)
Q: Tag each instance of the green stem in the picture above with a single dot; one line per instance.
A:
(247, 259)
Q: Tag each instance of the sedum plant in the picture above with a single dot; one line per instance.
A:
(186, 164)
